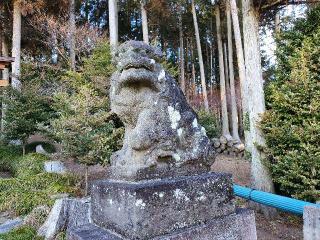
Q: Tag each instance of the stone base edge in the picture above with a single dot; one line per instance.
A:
(238, 226)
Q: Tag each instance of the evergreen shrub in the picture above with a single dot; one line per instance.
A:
(291, 124)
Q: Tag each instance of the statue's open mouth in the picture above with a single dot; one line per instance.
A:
(137, 76)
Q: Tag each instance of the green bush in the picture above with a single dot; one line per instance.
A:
(22, 233)
(209, 121)
(85, 127)
(24, 111)
(30, 164)
(8, 157)
(292, 123)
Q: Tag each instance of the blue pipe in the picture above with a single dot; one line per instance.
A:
(272, 200)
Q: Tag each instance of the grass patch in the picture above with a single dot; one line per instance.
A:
(30, 164)
(31, 186)
(22, 233)
(9, 156)
(21, 195)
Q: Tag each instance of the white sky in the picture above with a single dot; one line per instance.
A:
(268, 43)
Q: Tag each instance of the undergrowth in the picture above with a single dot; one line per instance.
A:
(22, 233)
(30, 186)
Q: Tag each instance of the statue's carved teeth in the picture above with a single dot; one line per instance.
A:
(137, 66)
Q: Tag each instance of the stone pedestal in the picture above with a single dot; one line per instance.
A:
(311, 223)
(190, 207)
(236, 226)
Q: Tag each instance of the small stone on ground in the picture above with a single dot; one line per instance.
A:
(54, 167)
(10, 225)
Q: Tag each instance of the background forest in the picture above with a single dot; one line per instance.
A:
(267, 103)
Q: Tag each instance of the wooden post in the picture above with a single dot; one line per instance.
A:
(5, 63)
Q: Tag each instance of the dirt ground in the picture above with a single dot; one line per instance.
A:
(283, 226)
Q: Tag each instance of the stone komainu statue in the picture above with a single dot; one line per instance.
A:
(162, 135)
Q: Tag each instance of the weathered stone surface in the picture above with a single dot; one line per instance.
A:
(223, 140)
(54, 167)
(10, 225)
(149, 208)
(91, 232)
(40, 149)
(66, 213)
(55, 221)
(238, 226)
(59, 195)
(162, 134)
(311, 223)
(79, 212)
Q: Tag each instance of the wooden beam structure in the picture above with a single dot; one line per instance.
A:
(4, 83)
(5, 62)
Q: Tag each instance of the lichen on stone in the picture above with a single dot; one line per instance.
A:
(161, 129)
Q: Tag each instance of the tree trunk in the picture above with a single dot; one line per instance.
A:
(72, 26)
(23, 148)
(242, 74)
(202, 73)
(16, 45)
(182, 63)
(208, 58)
(234, 111)
(225, 58)
(277, 23)
(113, 22)
(261, 178)
(54, 52)
(187, 70)
(144, 18)
(86, 180)
(5, 76)
(193, 70)
(211, 67)
(227, 78)
(5, 53)
(224, 111)
(211, 58)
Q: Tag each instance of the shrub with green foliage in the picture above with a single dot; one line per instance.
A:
(209, 121)
(24, 111)
(291, 124)
(9, 156)
(98, 67)
(85, 127)
(42, 79)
